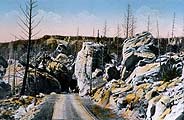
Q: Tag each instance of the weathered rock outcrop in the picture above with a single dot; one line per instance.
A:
(141, 63)
(5, 88)
(53, 71)
(88, 59)
(151, 101)
(139, 50)
(151, 87)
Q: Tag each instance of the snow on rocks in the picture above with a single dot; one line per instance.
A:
(142, 93)
(154, 101)
(141, 47)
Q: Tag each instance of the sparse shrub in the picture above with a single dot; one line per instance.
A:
(169, 71)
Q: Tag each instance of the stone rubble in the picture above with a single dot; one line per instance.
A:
(140, 93)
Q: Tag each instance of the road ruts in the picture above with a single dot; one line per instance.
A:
(69, 107)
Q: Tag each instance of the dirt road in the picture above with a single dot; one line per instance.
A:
(69, 107)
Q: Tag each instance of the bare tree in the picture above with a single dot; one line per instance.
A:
(132, 26)
(14, 72)
(28, 24)
(118, 30)
(183, 27)
(93, 32)
(148, 24)
(172, 38)
(77, 39)
(10, 47)
(158, 37)
(118, 35)
(173, 26)
(127, 21)
(77, 31)
(105, 29)
(98, 34)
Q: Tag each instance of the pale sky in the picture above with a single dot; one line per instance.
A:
(63, 17)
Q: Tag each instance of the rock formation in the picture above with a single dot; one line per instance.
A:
(53, 71)
(148, 89)
(88, 59)
(5, 88)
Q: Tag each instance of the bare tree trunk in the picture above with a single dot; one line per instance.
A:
(76, 45)
(183, 27)
(127, 22)
(118, 34)
(10, 47)
(132, 25)
(28, 25)
(173, 26)
(159, 53)
(172, 38)
(93, 32)
(148, 24)
(14, 74)
(105, 29)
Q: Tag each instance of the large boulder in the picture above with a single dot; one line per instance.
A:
(54, 68)
(61, 73)
(140, 49)
(42, 83)
(88, 59)
(168, 69)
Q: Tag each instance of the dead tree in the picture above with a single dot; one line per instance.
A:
(105, 29)
(132, 26)
(172, 39)
(117, 37)
(76, 45)
(14, 73)
(148, 24)
(98, 36)
(28, 24)
(173, 29)
(77, 31)
(159, 51)
(173, 26)
(183, 27)
(93, 32)
(127, 21)
(10, 47)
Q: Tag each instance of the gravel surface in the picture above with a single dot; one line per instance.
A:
(98, 112)
(46, 109)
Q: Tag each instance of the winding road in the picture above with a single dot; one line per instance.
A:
(69, 107)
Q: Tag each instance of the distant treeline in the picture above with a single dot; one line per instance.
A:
(48, 43)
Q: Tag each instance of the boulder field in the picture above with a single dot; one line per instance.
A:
(143, 84)
(151, 86)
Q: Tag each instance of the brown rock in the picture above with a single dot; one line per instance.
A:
(162, 87)
(132, 98)
(166, 112)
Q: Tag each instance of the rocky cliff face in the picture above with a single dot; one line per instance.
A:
(151, 86)
(88, 59)
(138, 51)
(53, 71)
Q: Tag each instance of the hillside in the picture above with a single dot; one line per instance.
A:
(137, 83)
